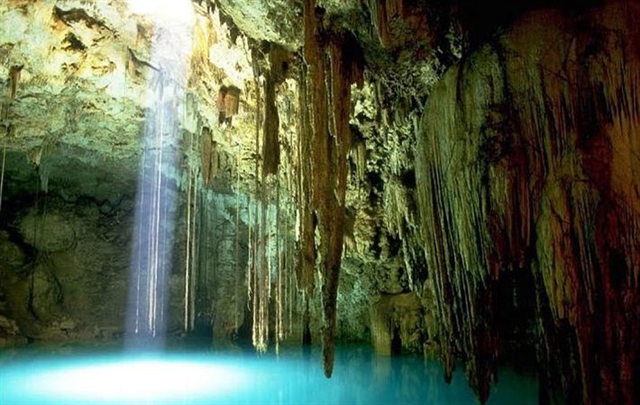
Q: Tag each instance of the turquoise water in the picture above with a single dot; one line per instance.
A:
(190, 378)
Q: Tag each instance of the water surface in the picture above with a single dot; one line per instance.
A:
(198, 378)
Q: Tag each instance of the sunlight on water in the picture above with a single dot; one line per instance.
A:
(139, 380)
(198, 379)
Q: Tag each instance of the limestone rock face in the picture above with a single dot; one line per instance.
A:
(53, 233)
(397, 324)
(69, 288)
(80, 90)
(10, 334)
(74, 60)
(278, 21)
(81, 84)
(528, 163)
(79, 77)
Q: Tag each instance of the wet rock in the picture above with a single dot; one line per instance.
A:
(527, 163)
(12, 255)
(397, 324)
(48, 232)
(10, 334)
(45, 297)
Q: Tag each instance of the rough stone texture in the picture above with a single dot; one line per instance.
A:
(528, 162)
(74, 60)
(397, 324)
(74, 290)
(262, 20)
(50, 233)
(221, 279)
(13, 257)
(87, 74)
(10, 334)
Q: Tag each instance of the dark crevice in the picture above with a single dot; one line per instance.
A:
(396, 342)
(73, 43)
(76, 15)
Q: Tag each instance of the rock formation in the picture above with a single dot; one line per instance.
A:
(435, 177)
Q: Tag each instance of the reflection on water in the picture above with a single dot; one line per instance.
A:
(360, 377)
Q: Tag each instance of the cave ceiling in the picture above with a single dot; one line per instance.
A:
(82, 70)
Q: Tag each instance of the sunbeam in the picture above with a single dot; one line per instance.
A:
(157, 180)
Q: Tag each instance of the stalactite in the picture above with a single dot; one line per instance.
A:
(251, 279)
(385, 17)
(206, 150)
(194, 163)
(306, 249)
(320, 178)
(4, 158)
(278, 65)
(236, 244)
(291, 285)
(261, 263)
(187, 266)
(263, 270)
(270, 146)
(201, 256)
(209, 156)
(332, 63)
(290, 220)
(14, 80)
(271, 179)
(279, 270)
(227, 103)
(256, 265)
(193, 251)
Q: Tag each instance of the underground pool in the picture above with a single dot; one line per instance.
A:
(68, 376)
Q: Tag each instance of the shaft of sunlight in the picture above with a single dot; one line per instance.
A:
(161, 137)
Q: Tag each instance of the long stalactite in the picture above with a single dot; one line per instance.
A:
(333, 67)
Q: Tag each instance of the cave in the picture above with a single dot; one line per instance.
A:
(432, 201)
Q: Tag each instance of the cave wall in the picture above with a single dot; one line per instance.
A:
(77, 88)
(67, 257)
(85, 153)
(527, 163)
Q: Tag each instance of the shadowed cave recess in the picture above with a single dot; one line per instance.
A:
(455, 179)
